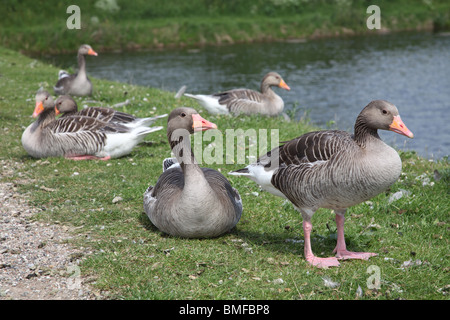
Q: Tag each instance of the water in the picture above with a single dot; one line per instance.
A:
(331, 79)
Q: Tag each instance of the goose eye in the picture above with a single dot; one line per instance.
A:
(183, 114)
(385, 112)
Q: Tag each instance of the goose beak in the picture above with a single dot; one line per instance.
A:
(284, 85)
(399, 127)
(38, 108)
(92, 52)
(201, 124)
(56, 111)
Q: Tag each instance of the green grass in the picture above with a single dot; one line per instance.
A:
(39, 27)
(131, 259)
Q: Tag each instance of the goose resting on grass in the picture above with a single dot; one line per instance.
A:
(68, 107)
(77, 84)
(335, 170)
(77, 137)
(188, 201)
(246, 101)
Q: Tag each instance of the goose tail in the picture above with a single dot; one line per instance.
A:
(240, 172)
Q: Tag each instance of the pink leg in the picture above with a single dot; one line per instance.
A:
(310, 257)
(87, 157)
(341, 248)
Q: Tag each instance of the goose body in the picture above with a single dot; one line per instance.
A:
(246, 101)
(77, 137)
(68, 107)
(333, 169)
(77, 84)
(188, 201)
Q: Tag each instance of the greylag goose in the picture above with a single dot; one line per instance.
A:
(68, 107)
(246, 101)
(77, 137)
(335, 170)
(188, 201)
(77, 84)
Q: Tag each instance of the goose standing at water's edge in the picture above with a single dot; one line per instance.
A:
(188, 201)
(246, 101)
(68, 107)
(335, 170)
(77, 137)
(77, 84)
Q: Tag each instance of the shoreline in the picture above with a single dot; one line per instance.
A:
(316, 35)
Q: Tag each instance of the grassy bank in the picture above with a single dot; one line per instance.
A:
(130, 259)
(40, 27)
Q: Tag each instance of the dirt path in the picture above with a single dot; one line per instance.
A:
(36, 261)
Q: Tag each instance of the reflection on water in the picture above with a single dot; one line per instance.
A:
(331, 78)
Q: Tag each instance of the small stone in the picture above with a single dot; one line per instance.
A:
(278, 281)
(117, 199)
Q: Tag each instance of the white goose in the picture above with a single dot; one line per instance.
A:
(246, 101)
(188, 201)
(335, 170)
(77, 84)
(77, 137)
(68, 107)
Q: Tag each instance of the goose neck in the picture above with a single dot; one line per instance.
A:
(364, 134)
(180, 144)
(266, 89)
(81, 63)
(46, 117)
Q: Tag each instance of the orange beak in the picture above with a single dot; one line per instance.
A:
(284, 85)
(57, 111)
(38, 108)
(92, 52)
(201, 124)
(399, 127)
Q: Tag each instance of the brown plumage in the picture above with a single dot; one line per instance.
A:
(246, 101)
(189, 201)
(77, 137)
(333, 169)
(69, 108)
(77, 84)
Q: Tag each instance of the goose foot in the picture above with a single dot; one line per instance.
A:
(323, 263)
(344, 255)
(87, 157)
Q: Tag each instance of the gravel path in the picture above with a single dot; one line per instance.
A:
(36, 261)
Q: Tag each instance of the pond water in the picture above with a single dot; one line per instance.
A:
(330, 79)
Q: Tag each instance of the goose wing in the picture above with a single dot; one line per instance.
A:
(313, 146)
(305, 158)
(78, 124)
(223, 189)
(240, 100)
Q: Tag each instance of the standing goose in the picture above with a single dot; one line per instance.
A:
(77, 84)
(246, 101)
(335, 170)
(77, 137)
(188, 201)
(68, 107)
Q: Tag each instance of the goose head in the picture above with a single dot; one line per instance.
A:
(383, 115)
(188, 119)
(87, 49)
(65, 104)
(185, 121)
(44, 101)
(274, 79)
